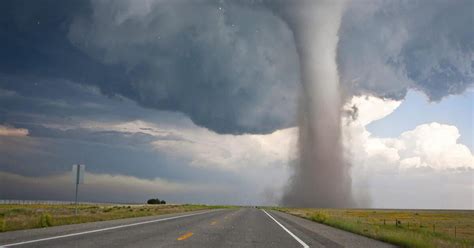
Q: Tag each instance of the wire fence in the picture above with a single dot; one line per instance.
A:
(440, 224)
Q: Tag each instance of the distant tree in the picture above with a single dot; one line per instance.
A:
(163, 202)
(154, 201)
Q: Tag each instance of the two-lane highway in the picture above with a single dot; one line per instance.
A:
(244, 227)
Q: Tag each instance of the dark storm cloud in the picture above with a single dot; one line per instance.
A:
(56, 139)
(31, 102)
(216, 63)
(231, 69)
(34, 43)
(52, 116)
(231, 66)
(388, 47)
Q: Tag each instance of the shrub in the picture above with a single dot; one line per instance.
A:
(320, 217)
(155, 201)
(45, 220)
(3, 223)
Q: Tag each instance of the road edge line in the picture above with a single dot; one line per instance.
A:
(102, 229)
(288, 231)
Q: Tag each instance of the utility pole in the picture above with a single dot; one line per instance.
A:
(78, 178)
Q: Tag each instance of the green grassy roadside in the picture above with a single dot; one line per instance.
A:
(18, 217)
(415, 228)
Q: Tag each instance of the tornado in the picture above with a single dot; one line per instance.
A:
(321, 176)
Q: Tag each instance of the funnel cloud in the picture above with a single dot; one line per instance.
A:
(321, 176)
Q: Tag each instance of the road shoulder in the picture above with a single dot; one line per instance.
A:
(326, 235)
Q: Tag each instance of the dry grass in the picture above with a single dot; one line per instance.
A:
(18, 217)
(415, 228)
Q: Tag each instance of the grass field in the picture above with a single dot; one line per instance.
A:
(406, 228)
(18, 217)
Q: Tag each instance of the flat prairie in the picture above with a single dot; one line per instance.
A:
(406, 228)
(27, 216)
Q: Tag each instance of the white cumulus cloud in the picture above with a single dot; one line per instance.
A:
(434, 145)
(431, 145)
(206, 148)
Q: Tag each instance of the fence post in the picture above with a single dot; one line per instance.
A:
(455, 231)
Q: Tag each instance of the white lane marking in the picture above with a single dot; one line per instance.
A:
(101, 230)
(288, 231)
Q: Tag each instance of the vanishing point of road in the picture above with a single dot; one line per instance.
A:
(243, 227)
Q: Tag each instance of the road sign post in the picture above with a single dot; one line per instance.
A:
(78, 171)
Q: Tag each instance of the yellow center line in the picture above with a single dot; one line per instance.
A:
(213, 223)
(185, 236)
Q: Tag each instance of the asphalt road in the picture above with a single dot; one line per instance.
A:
(244, 227)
